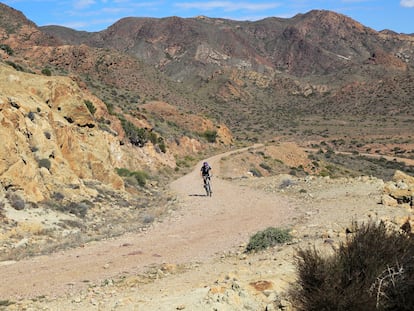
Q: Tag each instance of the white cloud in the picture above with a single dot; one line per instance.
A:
(407, 3)
(227, 5)
(81, 4)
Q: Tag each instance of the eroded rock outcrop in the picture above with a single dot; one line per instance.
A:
(51, 142)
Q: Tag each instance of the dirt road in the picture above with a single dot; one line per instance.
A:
(199, 229)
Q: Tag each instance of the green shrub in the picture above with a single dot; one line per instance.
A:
(324, 173)
(137, 136)
(123, 172)
(152, 136)
(7, 49)
(90, 106)
(265, 166)
(255, 172)
(6, 303)
(140, 176)
(14, 65)
(110, 107)
(210, 135)
(162, 145)
(268, 238)
(372, 270)
(46, 72)
(187, 161)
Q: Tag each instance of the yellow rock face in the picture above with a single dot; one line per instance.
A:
(50, 141)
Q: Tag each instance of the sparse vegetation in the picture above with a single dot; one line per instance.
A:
(6, 303)
(14, 65)
(46, 72)
(255, 105)
(210, 135)
(140, 136)
(162, 145)
(268, 238)
(90, 106)
(80, 209)
(186, 162)
(340, 165)
(265, 166)
(255, 172)
(5, 47)
(140, 176)
(372, 270)
(137, 136)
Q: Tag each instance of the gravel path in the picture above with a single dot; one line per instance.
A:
(198, 230)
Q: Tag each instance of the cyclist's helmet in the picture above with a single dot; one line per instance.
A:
(205, 164)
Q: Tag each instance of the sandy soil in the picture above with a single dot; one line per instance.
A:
(199, 244)
(203, 227)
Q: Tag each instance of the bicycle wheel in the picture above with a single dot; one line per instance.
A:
(208, 187)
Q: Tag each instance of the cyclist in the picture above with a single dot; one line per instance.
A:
(205, 172)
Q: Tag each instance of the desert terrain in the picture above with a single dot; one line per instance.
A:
(193, 257)
(101, 202)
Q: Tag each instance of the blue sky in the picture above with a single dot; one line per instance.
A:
(96, 15)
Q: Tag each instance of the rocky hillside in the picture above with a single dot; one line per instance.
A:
(30, 60)
(121, 81)
(53, 142)
(66, 162)
(318, 42)
(75, 143)
(94, 124)
(261, 77)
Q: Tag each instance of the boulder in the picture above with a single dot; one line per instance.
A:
(399, 191)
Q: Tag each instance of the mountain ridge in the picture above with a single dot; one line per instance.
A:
(317, 46)
(95, 125)
(319, 63)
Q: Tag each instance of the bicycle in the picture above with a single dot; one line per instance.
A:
(207, 185)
